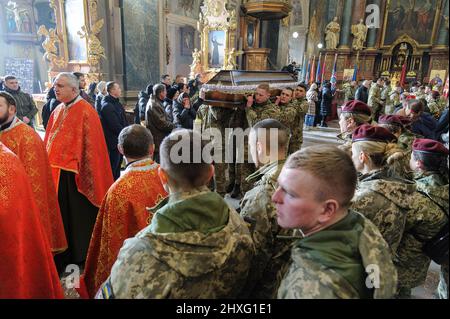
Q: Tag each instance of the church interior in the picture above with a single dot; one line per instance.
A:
(93, 93)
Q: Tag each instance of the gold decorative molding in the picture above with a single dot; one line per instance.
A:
(267, 9)
(50, 46)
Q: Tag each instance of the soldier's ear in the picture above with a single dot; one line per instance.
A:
(330, 209)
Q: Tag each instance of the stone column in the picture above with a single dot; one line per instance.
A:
(359, 11)
(442, 37)
(372, 33)
(346, 25)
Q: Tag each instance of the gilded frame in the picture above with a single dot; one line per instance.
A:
(206, 40)
(63, 28)
(420, 45)
(245, 33)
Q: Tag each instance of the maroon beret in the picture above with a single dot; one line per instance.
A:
(356, 106)
(429, 146)
(394, 120)
(368, 132)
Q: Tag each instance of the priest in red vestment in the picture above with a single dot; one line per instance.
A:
(79, 159)
(124, 209)
(27, 269)
(23, 141)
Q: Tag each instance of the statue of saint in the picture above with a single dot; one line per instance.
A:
(332, 34)
(359, 32)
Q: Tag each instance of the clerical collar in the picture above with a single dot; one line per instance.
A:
(73, 101)
(5, 126)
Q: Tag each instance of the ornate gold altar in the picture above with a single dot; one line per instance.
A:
(74, 45)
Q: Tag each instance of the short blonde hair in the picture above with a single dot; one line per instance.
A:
(334, 169)
(264, 86)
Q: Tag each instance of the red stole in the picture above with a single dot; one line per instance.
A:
(27, 269)
(23, 141)
(122, 215)
(75, 143)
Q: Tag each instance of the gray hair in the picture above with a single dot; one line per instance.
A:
(72, 80)
(157, 89)
(135, 140)
(101, 86)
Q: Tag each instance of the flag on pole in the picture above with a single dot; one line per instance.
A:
(317, 79)
(355, 69)
(308, 70)
(403, 76)
(304, 68)
(322, 76)
(313, 69)
(333, 79)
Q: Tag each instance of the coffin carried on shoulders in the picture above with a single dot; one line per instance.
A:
(230, 88)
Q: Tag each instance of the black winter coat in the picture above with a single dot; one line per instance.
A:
(183, 118)
(112, 115)
(362, 94)
(327, 99)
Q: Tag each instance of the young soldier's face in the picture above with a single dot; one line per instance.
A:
(300, 92)
(295, 200)
(261, 96)
(286, 96)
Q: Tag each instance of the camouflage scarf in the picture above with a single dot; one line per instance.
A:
(337, 249)
(200, 210)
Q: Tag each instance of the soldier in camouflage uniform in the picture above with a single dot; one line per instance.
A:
(396, 125)
(196, 245)
(374, 101)
(341, 253)
(436, 105)
(258, 108)
(272, 254)
(302, 105)
(289, 116)
(386, 97)
(350, 91)
(429, 161)
(381, 197)
(353, 114)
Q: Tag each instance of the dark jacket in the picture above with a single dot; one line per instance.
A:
(85, 96)
(442, 126)
(112, 115)
(325, 105)
(157, 121)
(425, 126)
(98, 102)
(168, 108)
(49, 106)
(141, 106)
(25, 104)
(182, 117)
(362, 94)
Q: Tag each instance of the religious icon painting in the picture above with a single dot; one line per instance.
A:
(187, 40)
(19, 21)
(216, 54)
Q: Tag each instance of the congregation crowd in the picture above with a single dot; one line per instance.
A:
(362, 220)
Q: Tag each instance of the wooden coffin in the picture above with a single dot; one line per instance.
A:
(229, 88)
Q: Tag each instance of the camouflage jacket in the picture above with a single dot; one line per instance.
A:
(346, 139)
(256, 113)
(436, 108)
(423, 221)
(386, 95)
(188, 264)
(291, 116)
(272, 254)
(349, 92)
(340, 262)
(374, 100)
(385, 201)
